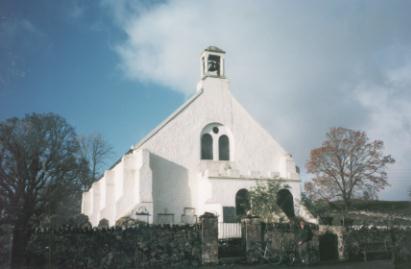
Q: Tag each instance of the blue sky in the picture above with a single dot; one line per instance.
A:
(60, 58)
(119, 67)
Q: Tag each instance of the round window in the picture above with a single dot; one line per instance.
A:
(215, 130)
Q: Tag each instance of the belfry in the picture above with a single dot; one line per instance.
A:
(204, 157)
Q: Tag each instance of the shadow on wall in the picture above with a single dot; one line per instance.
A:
(171, 192)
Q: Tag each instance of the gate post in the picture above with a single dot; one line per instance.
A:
(209, 238)
(251, 233)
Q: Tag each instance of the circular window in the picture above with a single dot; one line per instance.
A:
(215, 130)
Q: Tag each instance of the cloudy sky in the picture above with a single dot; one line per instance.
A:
(118, 67)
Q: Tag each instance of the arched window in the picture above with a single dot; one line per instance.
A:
(223, 148)
(286, 202)
(242, 202)
(206, 147)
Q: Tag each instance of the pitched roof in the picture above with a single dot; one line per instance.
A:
(159, 127)
(214, 49)
(167, 120)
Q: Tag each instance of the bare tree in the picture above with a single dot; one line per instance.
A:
(347, 166)
(95, 150)
(40, 166)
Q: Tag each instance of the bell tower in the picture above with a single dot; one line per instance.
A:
(212, 63)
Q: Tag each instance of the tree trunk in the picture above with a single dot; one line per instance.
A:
(21, 236)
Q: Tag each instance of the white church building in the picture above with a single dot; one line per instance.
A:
(200, 159)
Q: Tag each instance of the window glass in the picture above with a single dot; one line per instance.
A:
(206, 147)
(223, 148)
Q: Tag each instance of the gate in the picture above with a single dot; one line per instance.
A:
(229, 230)
(328, 247)
(230, 243)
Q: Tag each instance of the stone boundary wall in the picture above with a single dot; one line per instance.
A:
(141, 246)
(284, 238)
(281, 235)
(398, 241)
(350, 242)
(138, 247)
(394, 242)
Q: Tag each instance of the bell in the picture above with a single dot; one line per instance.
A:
(212, 65)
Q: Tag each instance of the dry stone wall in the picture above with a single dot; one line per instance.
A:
(389, 242)
(281, 235)
(136, 247)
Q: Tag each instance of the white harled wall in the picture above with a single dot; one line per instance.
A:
(121, 191)
(164, 173)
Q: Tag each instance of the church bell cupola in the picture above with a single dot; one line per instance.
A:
(212, 63)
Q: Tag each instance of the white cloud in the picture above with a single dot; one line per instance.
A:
(299, 67)
(388, 107)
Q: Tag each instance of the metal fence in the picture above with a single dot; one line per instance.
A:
(229, 230)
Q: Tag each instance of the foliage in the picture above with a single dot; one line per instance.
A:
(397, 207)
(366, 212)
(347, 166)
(95, 149)
(40, 174)
(79, 220)
(263, 198)
(318, 208)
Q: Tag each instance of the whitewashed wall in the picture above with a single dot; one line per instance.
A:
(164, 172)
